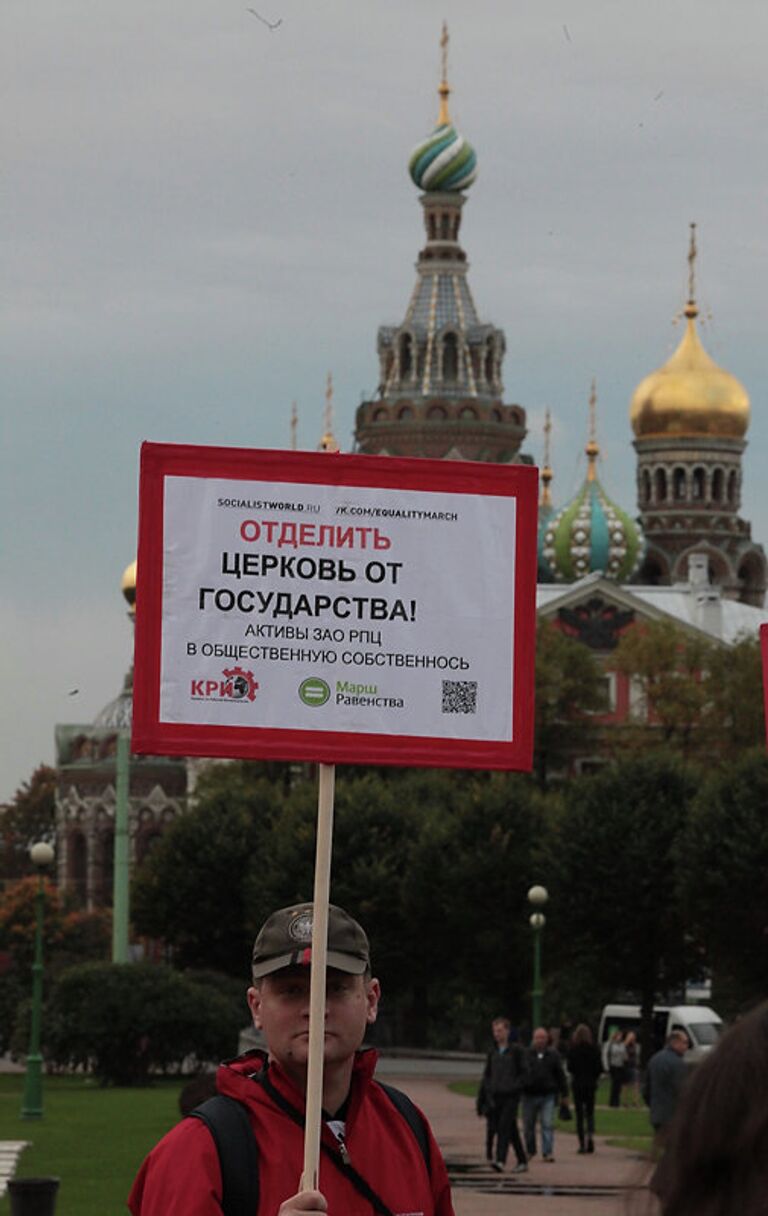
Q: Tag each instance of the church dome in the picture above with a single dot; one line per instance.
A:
(128, 587)
(690, 395)
(590, 533)
(445, 161)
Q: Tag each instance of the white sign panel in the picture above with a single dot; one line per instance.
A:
(382, 611)
(309, 606)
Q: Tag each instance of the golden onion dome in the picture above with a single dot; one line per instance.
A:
(690, 394)
(128, 586)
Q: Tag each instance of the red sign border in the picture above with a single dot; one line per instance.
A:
(152, 737)
(764, 655)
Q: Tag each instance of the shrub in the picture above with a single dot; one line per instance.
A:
(127, 1021)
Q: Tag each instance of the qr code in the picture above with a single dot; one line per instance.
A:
(459, 696)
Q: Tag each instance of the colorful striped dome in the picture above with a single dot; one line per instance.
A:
(591, 533)
(443, 162)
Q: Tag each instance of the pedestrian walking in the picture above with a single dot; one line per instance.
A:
(499, 1097)
(664, 1079)
(585, 1067)
(544, 1081)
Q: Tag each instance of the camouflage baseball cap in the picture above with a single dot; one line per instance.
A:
(285, 940)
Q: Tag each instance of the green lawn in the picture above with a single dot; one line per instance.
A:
(625, 1128)
(93, 1139)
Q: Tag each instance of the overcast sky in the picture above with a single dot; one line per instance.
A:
(202, 216)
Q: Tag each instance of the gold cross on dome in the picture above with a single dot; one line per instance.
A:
(692, 251)
(444, 90)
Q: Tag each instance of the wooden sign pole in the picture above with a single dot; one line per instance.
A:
(323, 850)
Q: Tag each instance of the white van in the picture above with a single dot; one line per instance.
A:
(702, 1025)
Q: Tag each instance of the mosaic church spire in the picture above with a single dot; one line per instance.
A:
(440, 392)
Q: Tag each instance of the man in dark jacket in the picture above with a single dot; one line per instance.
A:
(544, 1081)
(663, 1081)
(499, 1097)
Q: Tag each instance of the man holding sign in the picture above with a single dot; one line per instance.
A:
(378, 1154)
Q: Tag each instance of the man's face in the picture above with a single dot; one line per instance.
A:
(280, 1008)
(681, 1044)
(500, 1031)
(540, 1039)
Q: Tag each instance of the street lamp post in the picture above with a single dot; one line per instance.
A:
(120, 911)
(537, 896)
(41, 855)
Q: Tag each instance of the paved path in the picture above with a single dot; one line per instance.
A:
(10, 1151)
(477, 1191)
(9, 1065)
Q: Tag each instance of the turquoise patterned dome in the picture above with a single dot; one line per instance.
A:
(443, 162)
(590, 533)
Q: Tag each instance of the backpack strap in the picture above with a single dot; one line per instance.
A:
(228, 1122)
(405, 1106)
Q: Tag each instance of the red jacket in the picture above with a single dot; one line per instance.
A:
(181, 1176)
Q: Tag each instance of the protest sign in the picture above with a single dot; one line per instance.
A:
(302, 606)
(340, 608)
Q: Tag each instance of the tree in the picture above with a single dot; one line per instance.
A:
(190, 890)
(612, 856)
(569, 687)
(735, 689)
(69, 935)
(723, 860)
(464, 903)
(67, 931)
(126, 1021)
(670, 665)
(705, 699)
(30, 816)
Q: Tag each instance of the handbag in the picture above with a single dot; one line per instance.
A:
(565, 1111)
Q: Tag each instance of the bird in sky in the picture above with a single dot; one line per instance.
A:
(271, 25)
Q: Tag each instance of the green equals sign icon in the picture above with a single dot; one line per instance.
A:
(314, 691)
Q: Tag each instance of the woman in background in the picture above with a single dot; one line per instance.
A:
(631, 1086)
(585, 1066)
(616, 1060)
